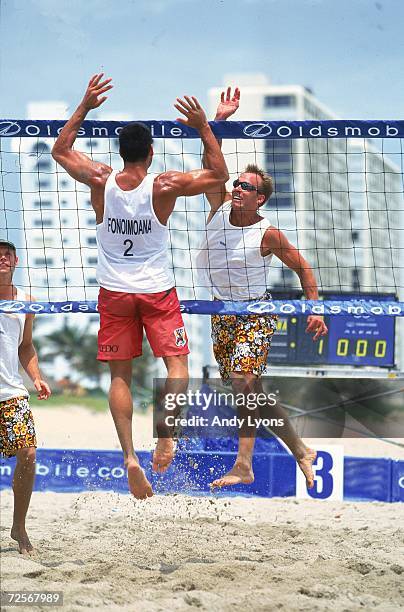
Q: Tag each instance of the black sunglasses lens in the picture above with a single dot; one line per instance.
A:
(244, 185)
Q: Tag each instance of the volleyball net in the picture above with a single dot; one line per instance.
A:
(338, 197)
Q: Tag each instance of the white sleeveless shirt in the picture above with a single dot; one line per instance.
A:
(229, 261)
(11, 333)
(132, 243)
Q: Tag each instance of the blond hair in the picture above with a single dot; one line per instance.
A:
(267, 180)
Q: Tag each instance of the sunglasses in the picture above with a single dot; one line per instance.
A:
(245, 186)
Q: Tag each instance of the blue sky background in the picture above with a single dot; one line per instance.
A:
(349, 52)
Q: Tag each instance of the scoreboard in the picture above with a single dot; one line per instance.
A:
(355, 340)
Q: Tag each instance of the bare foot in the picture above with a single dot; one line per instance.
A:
(163, 455)
(305, 463)
(239, 474)
(139, 486)
(24, 544)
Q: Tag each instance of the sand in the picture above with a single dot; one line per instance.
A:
(77, 427)
(107, 551)
(110, 552)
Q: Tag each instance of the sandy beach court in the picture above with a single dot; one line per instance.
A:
(109, 552)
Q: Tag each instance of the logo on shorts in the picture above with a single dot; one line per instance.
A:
(180, 336)
(108, 348)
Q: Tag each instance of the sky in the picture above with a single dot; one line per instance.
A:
(350, 52)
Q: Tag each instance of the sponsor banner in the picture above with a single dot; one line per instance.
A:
(340, 128)
(296, 307)
(207, 307)
(66, 471)
(328, 471)
(76, 470)
(397, 481)
(35, 308)
(368, 478)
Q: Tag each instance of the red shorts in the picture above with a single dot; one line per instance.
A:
(123, 317)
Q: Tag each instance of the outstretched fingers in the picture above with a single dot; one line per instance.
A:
(193, 112)
(95, 79)
(103, 89)
(184, 108)
(227, 97)
(193, 102)
(96, 83)
(92, 80)
(187, 104)
(104, 83)
(190, 101)
(93, 97)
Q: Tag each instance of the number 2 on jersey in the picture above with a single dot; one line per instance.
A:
(128, 253)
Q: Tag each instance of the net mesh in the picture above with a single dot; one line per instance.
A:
(340, 201)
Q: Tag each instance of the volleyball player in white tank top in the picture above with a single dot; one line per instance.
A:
(137, 288)
(234, 261)
(17, 430)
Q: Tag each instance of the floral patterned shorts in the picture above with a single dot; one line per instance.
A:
(241, 342)
(17, 428)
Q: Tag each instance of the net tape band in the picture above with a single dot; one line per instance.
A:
(338, 128)
(206, 307)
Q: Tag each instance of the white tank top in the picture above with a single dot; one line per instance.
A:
(229, 261)
(11, 333)
(132, 243)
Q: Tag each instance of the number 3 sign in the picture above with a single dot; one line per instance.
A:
(328, 471)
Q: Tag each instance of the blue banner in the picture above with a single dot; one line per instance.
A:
(397, 481)
(206, 307)
(339, 128)
(192, 472)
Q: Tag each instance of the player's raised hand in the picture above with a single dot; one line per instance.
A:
(316, 326)
(228, 104)
(193, 112)
(95, 89)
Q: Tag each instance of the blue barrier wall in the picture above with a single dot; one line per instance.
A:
(397, 481)
(192, 471)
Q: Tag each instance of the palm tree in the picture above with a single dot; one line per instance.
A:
(79, 347)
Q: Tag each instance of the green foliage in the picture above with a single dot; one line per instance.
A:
(79, 347)
(98, 403)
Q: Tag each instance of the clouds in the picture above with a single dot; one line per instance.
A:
(158, 49)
